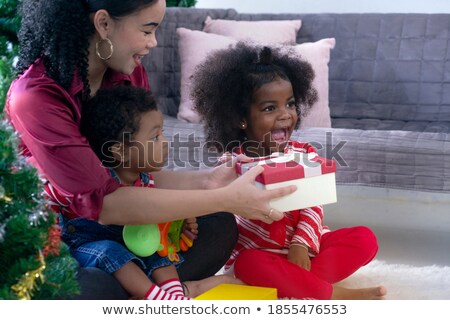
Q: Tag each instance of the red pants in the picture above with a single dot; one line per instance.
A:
(342, 252)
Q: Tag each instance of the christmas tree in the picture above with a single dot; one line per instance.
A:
(35, 264)
(9, 44)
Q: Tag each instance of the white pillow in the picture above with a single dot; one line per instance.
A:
(194, 46)
(264, 31)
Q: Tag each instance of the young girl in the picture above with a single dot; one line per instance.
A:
(263, 94)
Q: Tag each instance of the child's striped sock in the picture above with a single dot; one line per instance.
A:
(156, 293)
(173, 286)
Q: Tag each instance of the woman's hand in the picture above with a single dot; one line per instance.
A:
(245, 199)
(225, 173)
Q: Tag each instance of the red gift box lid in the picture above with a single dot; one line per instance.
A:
(290, 166)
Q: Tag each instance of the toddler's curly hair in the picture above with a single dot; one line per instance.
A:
(110, 114)
(224, 84)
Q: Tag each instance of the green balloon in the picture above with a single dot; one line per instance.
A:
(142, 240)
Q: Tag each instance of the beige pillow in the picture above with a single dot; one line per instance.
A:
(194, 46)
(264, 31)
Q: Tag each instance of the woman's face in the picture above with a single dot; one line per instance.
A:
(272, 118)
(133, 36)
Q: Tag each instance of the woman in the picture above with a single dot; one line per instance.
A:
(69, 49)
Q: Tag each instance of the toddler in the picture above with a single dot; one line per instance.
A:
(125, 130)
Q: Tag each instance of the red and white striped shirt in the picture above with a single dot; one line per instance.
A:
(303, 226)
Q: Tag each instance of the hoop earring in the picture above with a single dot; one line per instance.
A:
(111, 49)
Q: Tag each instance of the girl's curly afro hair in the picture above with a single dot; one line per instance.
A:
(224, 84)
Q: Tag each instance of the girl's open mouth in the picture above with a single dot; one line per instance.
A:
(279, 135)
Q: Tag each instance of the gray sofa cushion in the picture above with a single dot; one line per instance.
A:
(382, 158)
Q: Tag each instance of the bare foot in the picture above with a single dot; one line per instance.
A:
(195, 288)
(374, 293)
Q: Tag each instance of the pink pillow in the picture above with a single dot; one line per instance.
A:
(194, 46)
(276, 31)
(318, 55)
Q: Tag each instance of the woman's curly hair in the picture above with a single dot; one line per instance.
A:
(224, 84)
(112, 116)
(59, 32)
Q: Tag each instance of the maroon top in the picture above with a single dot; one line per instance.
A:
(47, 118)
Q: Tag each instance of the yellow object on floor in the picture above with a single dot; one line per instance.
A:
(238, 292)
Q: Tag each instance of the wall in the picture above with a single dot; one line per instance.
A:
(334, 6)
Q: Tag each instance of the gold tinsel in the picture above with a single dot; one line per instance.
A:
(27, 284)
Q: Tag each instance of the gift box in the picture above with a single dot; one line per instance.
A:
(226, 291)
(313, 176)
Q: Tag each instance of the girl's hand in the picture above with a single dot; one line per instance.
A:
(243, 198)
(298, 254)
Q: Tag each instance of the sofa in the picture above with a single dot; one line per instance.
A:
(388, 114)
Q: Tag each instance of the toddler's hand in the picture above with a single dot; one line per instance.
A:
(191, 225)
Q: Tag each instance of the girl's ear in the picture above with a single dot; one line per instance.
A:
(119, 153)
(243, 124)
(102, 23)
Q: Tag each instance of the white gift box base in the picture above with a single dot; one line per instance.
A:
(311, 192)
